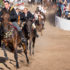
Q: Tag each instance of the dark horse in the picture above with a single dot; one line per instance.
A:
(11, 38)
(30, 35)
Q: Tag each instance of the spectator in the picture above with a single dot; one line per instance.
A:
(67, 13)
(59, 11)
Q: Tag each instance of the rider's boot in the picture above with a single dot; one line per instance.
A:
(22, 37)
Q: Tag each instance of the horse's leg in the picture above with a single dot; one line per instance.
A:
(41, 29)
(15, 54)
(5, 54)
(0, 41)
(25, 51)
(26, 56)
(30, 47)
(33, 45)
(16, 57)
(27, 45)
(41, 33)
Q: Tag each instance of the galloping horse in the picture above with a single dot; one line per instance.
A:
(30, 35)
(40, 23)
(11, 38)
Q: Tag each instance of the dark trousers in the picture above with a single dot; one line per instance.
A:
(0, 41)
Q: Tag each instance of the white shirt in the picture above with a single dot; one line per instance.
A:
(36, 16)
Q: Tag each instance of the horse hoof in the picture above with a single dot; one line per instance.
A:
(17, 66)
(28, 61)
(33, 53)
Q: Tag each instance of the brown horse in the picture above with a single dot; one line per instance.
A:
(30, 35)
(40, 24)
(11, 38)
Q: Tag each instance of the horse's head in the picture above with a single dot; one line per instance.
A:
(42, 17)
(29, 26)
(5, 17)
(5, 21)
(40, 22)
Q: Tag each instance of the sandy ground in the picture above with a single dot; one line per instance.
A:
(52, 51)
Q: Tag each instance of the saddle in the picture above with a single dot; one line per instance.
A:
(10, 32)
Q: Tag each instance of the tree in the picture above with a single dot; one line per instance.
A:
(1, 2)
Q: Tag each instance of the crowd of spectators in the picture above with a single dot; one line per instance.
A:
(63, 9)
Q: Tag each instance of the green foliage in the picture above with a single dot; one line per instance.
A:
(1, 2)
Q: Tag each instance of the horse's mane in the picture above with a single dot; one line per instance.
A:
(5, 17)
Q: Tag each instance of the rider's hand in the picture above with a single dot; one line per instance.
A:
(33, 19)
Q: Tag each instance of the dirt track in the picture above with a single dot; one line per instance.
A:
(52, 51)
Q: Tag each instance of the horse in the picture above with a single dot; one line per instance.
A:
(11, 38)
(40, 23)
(30, 35)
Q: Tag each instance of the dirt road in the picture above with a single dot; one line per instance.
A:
(52, 51)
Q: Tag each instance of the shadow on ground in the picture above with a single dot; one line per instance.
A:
(3, 61)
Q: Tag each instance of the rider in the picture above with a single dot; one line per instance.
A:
(26, 15)
(13, 17)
